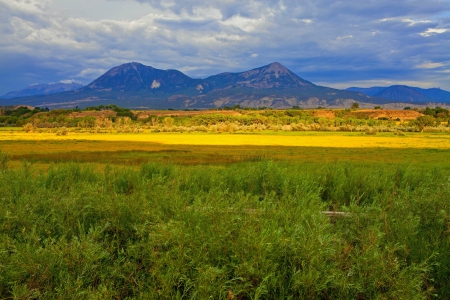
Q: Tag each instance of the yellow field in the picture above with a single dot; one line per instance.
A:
(44, 149)
(302, 139)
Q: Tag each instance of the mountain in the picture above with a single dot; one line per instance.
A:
(403, 93)
(435, 93)
(136, 77)
(42, 89)
(406, 93)
(274, 75)
(368, 91)
(138, 86)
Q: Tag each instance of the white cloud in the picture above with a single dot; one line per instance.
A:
(344, 37)
(432, 31)
(414, 22)
(69, 81)
(206, 13)
(254, 55)
(245, 24)
(430, 65)
(89, 72)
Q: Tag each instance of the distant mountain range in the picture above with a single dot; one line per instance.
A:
(42, 89)
(406, 93)
(138, 86)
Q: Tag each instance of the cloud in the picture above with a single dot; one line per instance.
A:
(89, 72)
(432, 31)
(430, 65)
(69, 81)
(323, 41)
(344, 37)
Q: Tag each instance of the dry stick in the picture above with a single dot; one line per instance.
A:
(254, 210)
(336, 214)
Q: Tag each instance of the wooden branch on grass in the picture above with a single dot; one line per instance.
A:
(336, 214)
(254, 210)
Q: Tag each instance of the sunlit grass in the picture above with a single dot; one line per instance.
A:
(300, 139)
(252, 229)
(205, 148)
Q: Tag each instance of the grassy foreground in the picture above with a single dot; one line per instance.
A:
(248, 230)
(139, 220)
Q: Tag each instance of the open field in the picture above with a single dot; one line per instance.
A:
(294, 139)
(224, 216)
(205, 148)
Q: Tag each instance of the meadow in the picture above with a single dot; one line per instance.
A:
(172, 215)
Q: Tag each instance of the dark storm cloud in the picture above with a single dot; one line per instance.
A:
(332, 42)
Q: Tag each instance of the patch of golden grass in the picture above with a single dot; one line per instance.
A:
(331, 140)
(43, 149)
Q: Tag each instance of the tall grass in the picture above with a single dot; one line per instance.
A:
(252, 230)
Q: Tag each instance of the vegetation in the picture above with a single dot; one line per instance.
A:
(248, 230)
(268, 213)
(244, 120)
(18, 116)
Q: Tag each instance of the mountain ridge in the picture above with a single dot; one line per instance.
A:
(42, 89)
(136, 85)
(406, 93)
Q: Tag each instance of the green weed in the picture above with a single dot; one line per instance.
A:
(251, 230)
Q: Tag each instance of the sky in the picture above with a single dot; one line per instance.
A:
(331, 43)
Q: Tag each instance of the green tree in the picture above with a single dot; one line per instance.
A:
(423, 121)
(355, 105)
(168, 121)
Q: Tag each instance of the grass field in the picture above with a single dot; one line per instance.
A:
(205, 148)
(293, 139)
(224, 216)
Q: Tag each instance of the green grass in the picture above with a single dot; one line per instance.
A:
(11, 128)
(45, 153)
(251, 229)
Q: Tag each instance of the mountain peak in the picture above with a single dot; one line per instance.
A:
(273, 75)
(277, 69)
(135, 76)
(276, 66)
